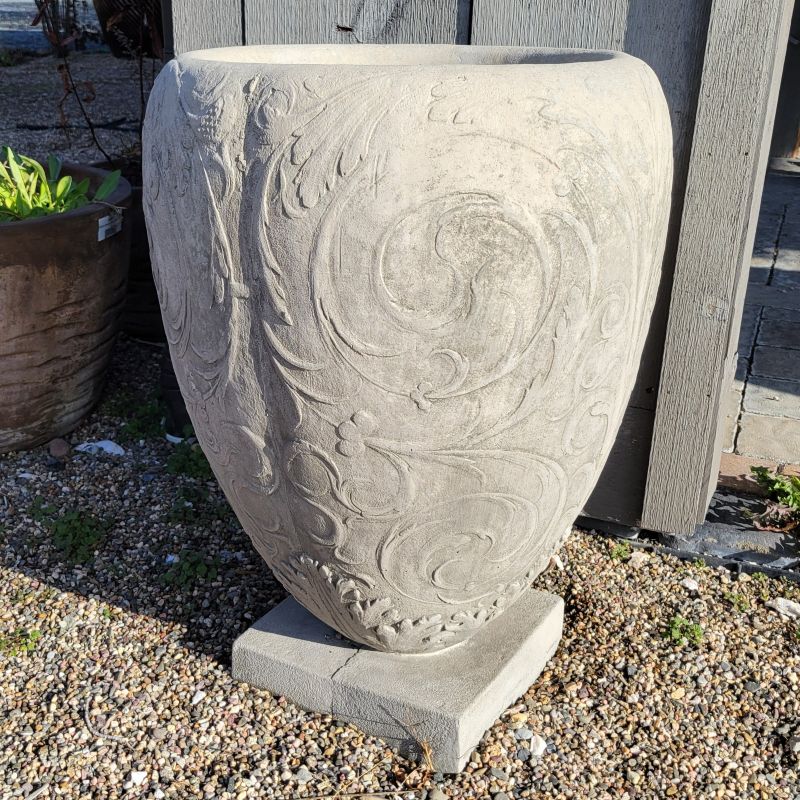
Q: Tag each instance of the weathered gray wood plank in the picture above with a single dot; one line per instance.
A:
(356, 21)
(196, 24)
(741, 73)
(670, 37)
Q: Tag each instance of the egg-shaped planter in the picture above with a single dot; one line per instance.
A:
(406, 290)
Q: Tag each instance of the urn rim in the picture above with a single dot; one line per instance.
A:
(438, 56)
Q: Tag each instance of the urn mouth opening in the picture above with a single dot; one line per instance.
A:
(398, 55)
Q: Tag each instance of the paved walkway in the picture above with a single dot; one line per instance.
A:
(763, 409)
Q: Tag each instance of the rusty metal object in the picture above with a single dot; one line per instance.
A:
(62, 288)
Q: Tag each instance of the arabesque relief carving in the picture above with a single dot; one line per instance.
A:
(406, 305)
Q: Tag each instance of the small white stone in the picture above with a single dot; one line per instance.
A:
(138, 778)
(304, 775)
(634, 777)
(555, 561)
(786, 608)
(537, 745)
(158, 794)
(199, 696)
(638, 559)
(691, 585)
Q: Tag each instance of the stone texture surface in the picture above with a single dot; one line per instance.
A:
(406, 290)
(446, 700)
(775, 438)
(768, 369)
(782, 333)
(774, 397)
(776, 362)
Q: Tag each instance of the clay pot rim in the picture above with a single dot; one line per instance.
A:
(117, 198)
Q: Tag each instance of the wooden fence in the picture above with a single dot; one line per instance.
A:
(719, 62)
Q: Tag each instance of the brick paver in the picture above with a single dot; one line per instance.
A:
(762, 408)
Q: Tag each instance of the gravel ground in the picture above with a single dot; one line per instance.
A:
(120, 686)
(30, 115)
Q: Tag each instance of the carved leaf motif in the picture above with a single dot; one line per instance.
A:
(418, 471)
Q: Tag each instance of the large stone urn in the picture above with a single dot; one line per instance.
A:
(406, 291)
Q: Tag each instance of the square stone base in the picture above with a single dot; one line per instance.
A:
(446, 699)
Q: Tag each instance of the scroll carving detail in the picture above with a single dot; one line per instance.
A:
(406, 311)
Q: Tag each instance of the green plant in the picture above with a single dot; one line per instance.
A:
(40, 511)
(143, 421)
(188, 459)
(19, 641)
(193, 504)
(77, 534)
(782, 510)
(681, 631)
(8, 58)
(26, 191)
(621, 551)
(738, 601)
(191, 566)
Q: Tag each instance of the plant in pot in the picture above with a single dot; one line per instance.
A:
(63, 271)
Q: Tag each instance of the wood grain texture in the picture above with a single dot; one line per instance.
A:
(356, 21)
(744, 55)
(670, 37)
(197, 24)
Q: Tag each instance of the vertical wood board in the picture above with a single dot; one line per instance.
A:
(744, 54)
(198, 24)
(356, 21)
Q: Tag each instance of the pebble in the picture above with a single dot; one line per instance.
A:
(303, 775)
(786, 608)
(538, 745)
(638, 559)
(137, 778)
(127, 650)
(691, 586)
(59, 448)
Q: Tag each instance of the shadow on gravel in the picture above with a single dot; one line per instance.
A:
(134, 531)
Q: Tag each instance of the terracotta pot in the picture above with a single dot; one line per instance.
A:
(406, 291)
(61, 293)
